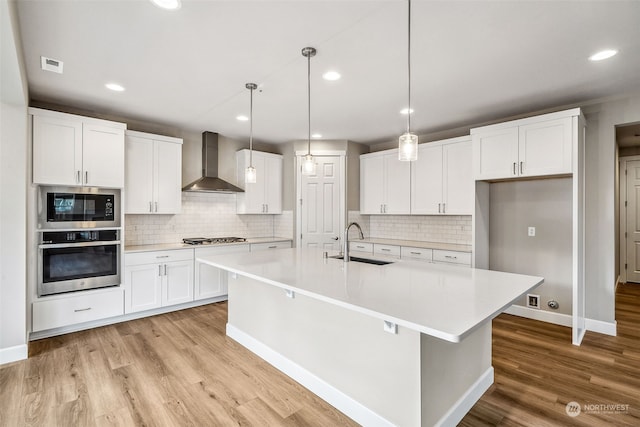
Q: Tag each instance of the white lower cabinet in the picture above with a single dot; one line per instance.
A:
(451, 257)
(211, 281)
(420, 254)
(361, 247)
(270, 245)
(388, 250)
(68, 310)
(157, 279)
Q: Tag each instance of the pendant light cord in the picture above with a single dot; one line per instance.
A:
(251, 127)
(309, 104)
(409, 68)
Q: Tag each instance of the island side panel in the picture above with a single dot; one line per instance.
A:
(348, 350)
(454, 375)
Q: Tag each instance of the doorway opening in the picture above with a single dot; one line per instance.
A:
(628, 219)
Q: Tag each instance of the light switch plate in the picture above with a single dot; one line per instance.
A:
(390, 327)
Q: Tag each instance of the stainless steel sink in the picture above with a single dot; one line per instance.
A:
(364, 260)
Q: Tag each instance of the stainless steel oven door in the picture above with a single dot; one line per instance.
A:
(71, 267)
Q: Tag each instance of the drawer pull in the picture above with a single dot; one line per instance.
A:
(416, 253)
(77, 310)
(384, 249)
(162, 256)
(273, 247)
(359, 247)
(451, 257)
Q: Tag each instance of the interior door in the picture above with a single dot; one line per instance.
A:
(633, 221)
(321, 209)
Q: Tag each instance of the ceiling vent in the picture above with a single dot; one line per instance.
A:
(50, 64)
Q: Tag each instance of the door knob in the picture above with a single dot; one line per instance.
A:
(335, 238)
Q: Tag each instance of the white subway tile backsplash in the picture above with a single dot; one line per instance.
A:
(203, 215)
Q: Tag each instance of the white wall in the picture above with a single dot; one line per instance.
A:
(13, 190)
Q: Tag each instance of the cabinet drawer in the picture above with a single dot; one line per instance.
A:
(420, 254)
(361, 247)
(77, 309)
(270, 245)
(220, 250)
(452, 257)
(139, 258)
(389, 250)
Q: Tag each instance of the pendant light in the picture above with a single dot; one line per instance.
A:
(250, 172)
(309, 163)
(408, 142)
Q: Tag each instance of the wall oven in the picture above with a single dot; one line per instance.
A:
(78, 260)
(73, 208)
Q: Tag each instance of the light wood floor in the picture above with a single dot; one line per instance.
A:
(179, 369)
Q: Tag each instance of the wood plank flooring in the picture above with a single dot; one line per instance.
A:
(179, 369)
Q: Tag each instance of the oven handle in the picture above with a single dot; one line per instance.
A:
(79, 245)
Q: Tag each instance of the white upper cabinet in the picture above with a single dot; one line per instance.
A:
(385, 184)
(73, 150)
(153, 174)
(536, 146)
(265, 195)
(441, 178)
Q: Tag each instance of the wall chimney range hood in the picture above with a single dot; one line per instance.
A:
(210, 183)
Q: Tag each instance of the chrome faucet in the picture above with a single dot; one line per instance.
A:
(345, 240)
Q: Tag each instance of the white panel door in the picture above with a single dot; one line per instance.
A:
(371, 184)
(57, 151)
(426, 181)
(633, 221)
(143, 287)
(102, 156)
(167, 177)
(398, 185)
(177, 286)
(545, 148)
(138, 175)
(458, 187)
(321, 209)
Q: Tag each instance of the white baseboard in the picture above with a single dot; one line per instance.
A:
(13, 354)
(545, 316)
(468, 399)
(353, 409)
(607, 328)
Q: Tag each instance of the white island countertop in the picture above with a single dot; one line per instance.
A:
(443, 301)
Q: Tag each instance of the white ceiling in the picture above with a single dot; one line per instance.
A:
(472, 61)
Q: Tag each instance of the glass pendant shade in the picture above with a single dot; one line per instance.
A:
(408, 147)
(250, 175)
(308, 165)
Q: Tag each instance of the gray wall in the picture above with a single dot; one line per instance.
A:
(545, 205)
(13, 189)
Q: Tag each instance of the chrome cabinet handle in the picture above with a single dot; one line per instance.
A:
(514, 168)
(165, 269)
(156, 203)
(86, 177)
(150, 206)
(521, 167)
(451, 257)
(385, 249)
(159, 269)
(415, 253)
(273, 247)
(439, 207)
(359, 247)
(266, 208)
(162, 256)
(444, 208)
(77, 310)
(78, 177)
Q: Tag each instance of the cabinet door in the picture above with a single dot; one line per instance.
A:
(398, 185)
(426, 181)
(211, 281)
(458, 186)
(254, 193)
(371, 184)
(57, 151)
(545, 148)
(138, 175)
(495, 154)
(102, 156)
(167, 177)
(177, 286)
(143, 287)
(273, 185)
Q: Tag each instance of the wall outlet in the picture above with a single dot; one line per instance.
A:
(533, 301)
(531, 231)
(390, 327)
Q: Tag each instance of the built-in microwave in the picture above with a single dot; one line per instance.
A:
(73, 208)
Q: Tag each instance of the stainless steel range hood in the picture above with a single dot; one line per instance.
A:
(210, 183)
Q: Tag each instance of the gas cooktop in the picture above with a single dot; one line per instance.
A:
(212, 240)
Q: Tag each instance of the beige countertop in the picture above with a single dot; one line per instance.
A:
(171, 246)
(418, 244)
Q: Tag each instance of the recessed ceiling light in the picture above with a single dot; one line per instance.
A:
(406, 111)
(603, 54)
(242, 118)
(331, 76)
(316, 135)
(114, 87)
(167, 4)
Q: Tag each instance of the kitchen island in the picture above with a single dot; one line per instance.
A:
(406, 344)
